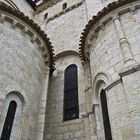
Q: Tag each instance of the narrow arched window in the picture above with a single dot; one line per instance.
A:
(106, 122)
(6, 132)
(45, 16)
(64, 6)
(71, 107)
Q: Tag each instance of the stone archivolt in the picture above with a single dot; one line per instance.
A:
(27, 26)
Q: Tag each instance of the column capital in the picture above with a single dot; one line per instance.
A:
(115, 17)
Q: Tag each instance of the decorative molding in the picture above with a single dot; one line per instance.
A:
(100, 79)
(95, 19)
(113, 83)
(27, 26)
(130, 70)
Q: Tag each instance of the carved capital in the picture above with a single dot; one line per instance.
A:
(123, 40)
(102, 26)
(14, 24)
(115, 17)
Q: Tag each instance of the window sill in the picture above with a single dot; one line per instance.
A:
(78, 120)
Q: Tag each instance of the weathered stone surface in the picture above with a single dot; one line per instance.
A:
(40, 96)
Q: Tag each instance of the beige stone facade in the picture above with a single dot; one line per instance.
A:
(105, 48)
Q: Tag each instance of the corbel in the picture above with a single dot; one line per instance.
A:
(133, 9)
(33, 38)
(24, 30)
(41, 47)
(2, 18)
(45, 53)
(102, 26)
(13, 25)
(46, 60)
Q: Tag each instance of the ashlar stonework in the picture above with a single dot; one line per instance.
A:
(99, 99)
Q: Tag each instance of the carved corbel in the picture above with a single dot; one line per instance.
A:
(33, 39)
(102, 26)
(133, 9)
(2, 18)
(24, 30)
(87, 54)
(41, 47)
(45, 53)
(14, 24)
(46, 60)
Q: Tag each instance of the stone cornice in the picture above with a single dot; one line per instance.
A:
(18, 19)
(130, 70)
(95, 19)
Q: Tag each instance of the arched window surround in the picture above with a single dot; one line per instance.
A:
(16, 127)
(99, 83)
(71, 103)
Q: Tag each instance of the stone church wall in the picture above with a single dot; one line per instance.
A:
(56, 128)
(112, 55)
(64, 30)
(120, 81)
(21, 78)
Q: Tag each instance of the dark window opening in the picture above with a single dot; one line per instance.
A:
(71, 107)
(33, 3)
(6, 132)
(64, 6)
(106, 122)
(45, 16)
